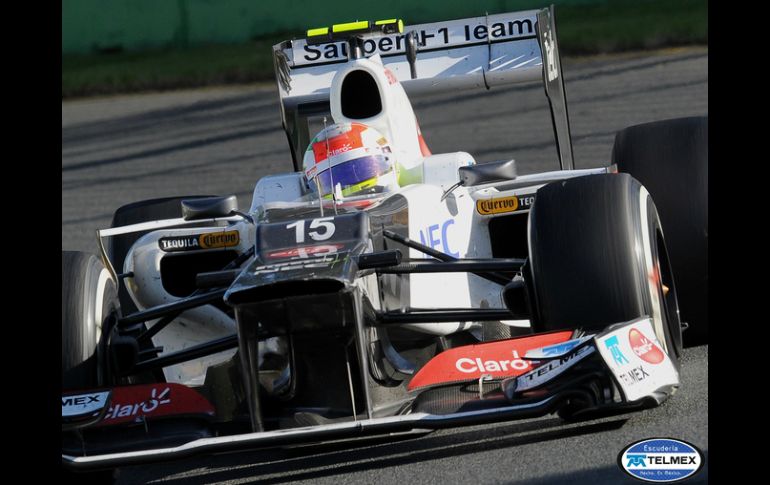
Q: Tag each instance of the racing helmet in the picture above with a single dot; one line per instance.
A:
(350, 159)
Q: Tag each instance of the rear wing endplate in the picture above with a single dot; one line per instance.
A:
(478, 52)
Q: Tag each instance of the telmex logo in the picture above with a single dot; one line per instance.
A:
(81, 400)
(644, 348)
(660, 460)
(82, 404)
(612, 344)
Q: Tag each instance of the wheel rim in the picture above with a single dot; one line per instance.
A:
(664, 309)
(670, 304)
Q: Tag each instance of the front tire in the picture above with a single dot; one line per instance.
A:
(670, 158)
(89, 300)
(598, 257)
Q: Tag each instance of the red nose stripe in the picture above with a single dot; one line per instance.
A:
(424, 150)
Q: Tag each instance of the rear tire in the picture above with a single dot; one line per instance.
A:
(670, 158)
(586, 269)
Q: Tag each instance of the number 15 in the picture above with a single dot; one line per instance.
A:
(315, 233)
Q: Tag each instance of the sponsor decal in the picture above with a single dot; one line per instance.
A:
(471, 366)
(660, 460)
(318, 262)
(498, 359)
(391, 77)
(209, 240)
(553, 351)
(436, 236)
(219, 239)
(424, 150)
(550, 54)
(135, 403)
(549, 370)
(632, 357)
(502, 205)
(612, 344)
(644, 347)
(83, 404)
(341, 143)
(156, 399)
(179, 243)
(634, 375)
(434, 36)
(305, 251)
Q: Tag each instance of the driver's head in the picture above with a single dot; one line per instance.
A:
(350, 159)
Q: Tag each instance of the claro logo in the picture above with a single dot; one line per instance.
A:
(469, 366)
(155, 400)
(644, 347)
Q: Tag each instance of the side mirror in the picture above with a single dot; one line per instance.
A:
(483, 173)
(487, 172)
(208, 207)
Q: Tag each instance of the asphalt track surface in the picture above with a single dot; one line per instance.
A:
(119, 150)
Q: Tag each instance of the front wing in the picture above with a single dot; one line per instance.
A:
(620, 368)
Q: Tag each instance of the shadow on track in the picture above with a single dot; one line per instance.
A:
(316, 461)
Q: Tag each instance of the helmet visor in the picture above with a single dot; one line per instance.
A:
(351, 175)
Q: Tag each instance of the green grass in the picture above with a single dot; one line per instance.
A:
(618, 25)
(629, 25)
(167, 69)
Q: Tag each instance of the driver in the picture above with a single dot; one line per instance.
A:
(350, 159)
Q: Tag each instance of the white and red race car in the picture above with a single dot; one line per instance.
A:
(445, 293)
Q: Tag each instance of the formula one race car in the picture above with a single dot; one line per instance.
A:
(379, 288)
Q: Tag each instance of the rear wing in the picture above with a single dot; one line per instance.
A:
(478, 52)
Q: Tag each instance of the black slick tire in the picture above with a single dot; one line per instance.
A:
(670, 158)
(89, 298)
(598, 257)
